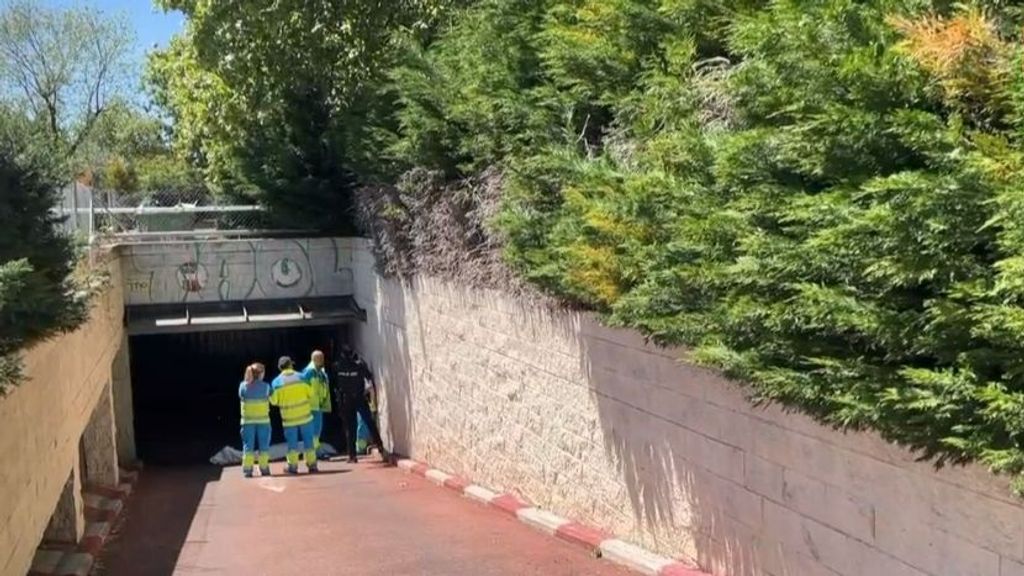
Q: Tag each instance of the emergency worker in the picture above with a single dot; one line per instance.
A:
(320, 401)
(254, 394)
(291, 394)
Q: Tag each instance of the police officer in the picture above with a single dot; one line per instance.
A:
(352, 380)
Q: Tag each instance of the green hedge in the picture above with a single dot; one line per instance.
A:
(823, 198)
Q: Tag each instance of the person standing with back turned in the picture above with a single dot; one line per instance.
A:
(291, 395)
(254, 395)
(320, 402)
(352, 378)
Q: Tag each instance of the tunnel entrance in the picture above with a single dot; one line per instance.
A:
(185, 387)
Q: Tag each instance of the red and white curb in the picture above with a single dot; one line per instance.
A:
(600, 543)
(103, 506)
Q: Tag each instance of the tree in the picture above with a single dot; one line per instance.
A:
(276, 100)
(123, 138)
(127, 131)
(207, 117)
(64, 67)
(37, 294)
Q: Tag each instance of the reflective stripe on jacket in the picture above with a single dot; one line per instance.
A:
(291, 395)
(317, 377)
(255, 402)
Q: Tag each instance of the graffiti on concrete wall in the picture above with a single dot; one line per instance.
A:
(192, 277)
(237, 270)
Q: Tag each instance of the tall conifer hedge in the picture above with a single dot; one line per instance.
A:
(823, 198)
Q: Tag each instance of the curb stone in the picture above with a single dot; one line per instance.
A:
(103, 507)
(600, 543)
(541, 520)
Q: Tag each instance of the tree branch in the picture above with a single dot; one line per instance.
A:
(64, 61)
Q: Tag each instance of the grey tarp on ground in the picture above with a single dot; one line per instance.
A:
(229, 455)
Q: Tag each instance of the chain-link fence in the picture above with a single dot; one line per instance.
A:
(161, 214)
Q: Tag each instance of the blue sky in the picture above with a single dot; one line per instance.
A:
(151, 25)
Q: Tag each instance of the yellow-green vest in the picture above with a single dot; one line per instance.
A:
(321, 399)
(292, 396)
(255, 402)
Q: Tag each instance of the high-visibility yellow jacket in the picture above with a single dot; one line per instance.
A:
(255, 402)
(291, 395)
(317, 378)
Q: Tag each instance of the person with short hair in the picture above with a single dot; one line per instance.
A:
(291, 394)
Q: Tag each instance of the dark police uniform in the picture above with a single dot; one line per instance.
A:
(350, 376)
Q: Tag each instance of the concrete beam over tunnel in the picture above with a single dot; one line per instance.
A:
(237, 270)
(232, 316)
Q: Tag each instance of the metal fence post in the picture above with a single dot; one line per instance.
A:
(74, 205)
(92, 227)
(92, 216)
(61, 212)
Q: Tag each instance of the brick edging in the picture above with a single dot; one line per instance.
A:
(103, 507)
(598, 542)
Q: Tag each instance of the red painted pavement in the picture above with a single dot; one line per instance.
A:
(361, 520)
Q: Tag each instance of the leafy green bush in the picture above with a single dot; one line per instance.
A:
(821, 198)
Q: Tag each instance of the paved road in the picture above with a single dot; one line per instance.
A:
(361, 520)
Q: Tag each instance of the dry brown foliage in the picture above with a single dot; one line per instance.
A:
(428, 225)
(965, 53)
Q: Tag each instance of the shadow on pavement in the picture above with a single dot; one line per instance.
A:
(159, 515)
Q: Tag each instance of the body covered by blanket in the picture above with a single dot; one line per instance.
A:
(230, 456)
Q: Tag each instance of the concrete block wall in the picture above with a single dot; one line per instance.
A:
(594, 424)
(43, 421)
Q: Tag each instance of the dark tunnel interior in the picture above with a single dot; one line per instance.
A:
(185, 387)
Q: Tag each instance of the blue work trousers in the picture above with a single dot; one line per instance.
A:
(255, 438)
(291, 436)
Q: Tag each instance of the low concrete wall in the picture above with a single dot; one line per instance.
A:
(43, 421)
(233, 270)
(594, 424)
